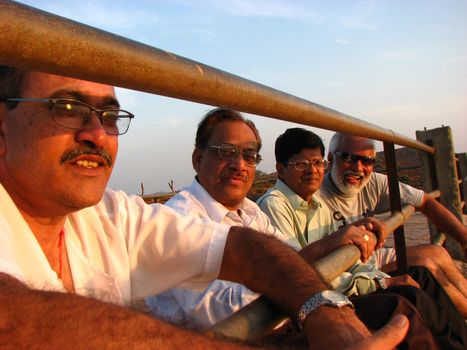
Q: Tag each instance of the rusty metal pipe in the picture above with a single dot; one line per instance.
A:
(37, 40)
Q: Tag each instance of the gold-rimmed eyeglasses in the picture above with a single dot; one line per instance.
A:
(73, 114)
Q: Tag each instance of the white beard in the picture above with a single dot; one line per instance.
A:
(348, 189)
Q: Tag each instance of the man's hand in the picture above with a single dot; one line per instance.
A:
(402, 280)
(378, 227)
(359, 236)
(333, 328)
(386, 338)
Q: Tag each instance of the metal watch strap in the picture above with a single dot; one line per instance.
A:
(319, 299)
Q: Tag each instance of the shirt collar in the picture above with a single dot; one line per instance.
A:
(216, 210)
(294, 199)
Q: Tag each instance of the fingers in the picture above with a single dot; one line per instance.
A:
(379, 228)
(358, 236)
(387, 337)
(364, 240)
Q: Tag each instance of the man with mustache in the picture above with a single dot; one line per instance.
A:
(72, 252)
(352, 190)
(225, 157)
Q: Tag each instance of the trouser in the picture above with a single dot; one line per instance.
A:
(376, 309)
(435, 322)
(436, 308)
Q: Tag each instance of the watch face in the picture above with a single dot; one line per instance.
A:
(334, 297)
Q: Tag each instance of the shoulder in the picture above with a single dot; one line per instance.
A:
(272, 195)
(183, 202)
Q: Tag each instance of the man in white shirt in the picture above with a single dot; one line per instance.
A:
(62, 231)
(352, 191)
(218, 194)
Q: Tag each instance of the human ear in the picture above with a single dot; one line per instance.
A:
(196, 159)
(3, 112)
(280, 169)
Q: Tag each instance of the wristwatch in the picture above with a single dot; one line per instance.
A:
(326, 297)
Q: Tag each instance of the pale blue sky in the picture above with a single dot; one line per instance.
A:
(398, 64)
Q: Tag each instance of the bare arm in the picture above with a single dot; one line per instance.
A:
(268, 266)
(346, 235)
(444, 219)
(37, 319)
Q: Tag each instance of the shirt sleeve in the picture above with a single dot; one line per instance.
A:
(409, 194)
(200, 309)
(166, 249)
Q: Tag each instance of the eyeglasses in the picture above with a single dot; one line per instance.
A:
(229, 152)
(354, 158)
(304, 164)
(76, 115)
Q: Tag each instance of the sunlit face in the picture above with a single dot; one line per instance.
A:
(42, 164)
(302, 182)
(227, 181)
(350, 178)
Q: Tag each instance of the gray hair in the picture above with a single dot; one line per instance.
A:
(338, 138)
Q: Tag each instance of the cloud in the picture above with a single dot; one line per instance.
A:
(99, 14)
(355, 23)
(360, 19)
(398, 55)
(261, 8)
(339, 84)
(456, 59)
(342, 41)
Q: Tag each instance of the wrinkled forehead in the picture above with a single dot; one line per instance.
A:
(356, 144)
(43, 85)
(233, 132)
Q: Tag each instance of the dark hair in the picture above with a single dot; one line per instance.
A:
(216, 116)
(293, 140)
(11, 83)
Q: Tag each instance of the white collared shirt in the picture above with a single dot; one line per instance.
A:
(201, 308)
(120, 250)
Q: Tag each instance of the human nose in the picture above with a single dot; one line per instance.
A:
(93, 131)
(357, 165)
(312, 168)
(238, 162)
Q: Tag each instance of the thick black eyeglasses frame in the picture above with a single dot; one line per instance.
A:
(323, 164)
(99, 112)
(236, 152)
(354, 158)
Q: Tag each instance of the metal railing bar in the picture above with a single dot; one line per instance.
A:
(37, 40)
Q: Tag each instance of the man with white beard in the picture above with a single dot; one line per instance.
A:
(352, 190)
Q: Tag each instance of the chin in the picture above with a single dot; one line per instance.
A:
(84, 198)
(343, 186)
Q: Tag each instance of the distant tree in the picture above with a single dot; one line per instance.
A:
(171, 185)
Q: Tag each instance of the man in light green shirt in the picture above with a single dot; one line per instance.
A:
(291, 204)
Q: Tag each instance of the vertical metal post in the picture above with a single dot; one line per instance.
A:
(395, 197)
(447, 179)
(463, 176)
